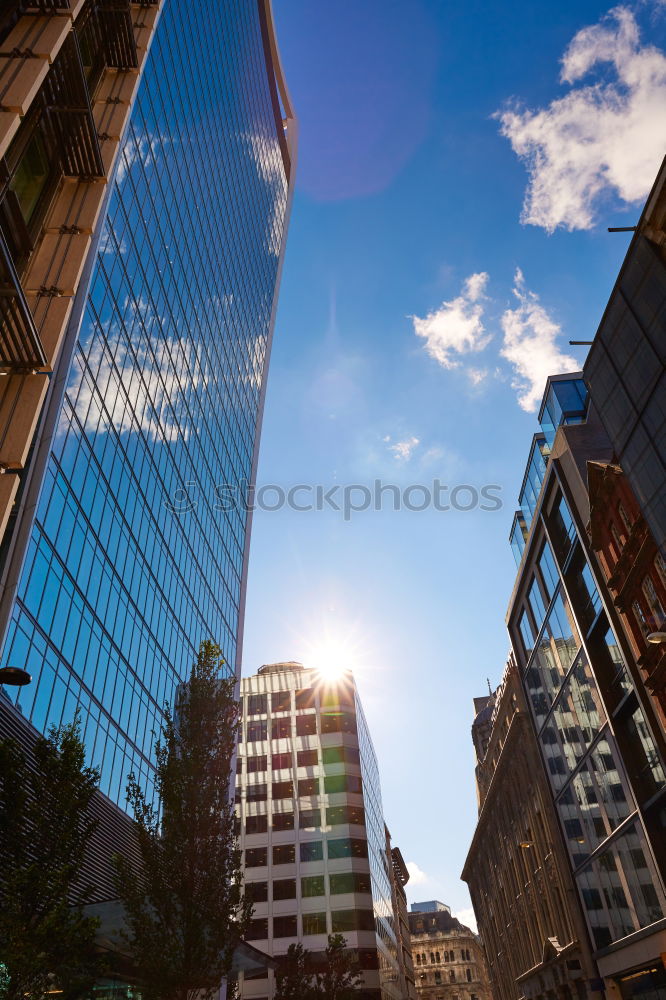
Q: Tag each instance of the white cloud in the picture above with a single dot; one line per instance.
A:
(608, 136)
(530, 345)
(402, 450)
(477, 375)
(456, 328)
(267, 157)
(468, 918)
(416, 876)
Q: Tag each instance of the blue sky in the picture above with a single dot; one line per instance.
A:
(458, 167)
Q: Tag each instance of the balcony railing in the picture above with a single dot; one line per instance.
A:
(20, 346)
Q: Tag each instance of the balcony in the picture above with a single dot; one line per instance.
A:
(20, 347)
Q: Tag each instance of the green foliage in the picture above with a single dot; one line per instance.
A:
(186, 910)
(46, 942)
(341, 977)
(296, 979)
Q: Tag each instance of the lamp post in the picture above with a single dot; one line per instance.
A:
(14, 676)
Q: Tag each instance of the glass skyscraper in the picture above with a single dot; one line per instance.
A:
(123, 558)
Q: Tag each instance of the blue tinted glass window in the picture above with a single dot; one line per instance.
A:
(549, 573)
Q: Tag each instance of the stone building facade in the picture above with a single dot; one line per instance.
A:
(448, 957)
(523, 896)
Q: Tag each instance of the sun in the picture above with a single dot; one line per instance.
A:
(332, 656)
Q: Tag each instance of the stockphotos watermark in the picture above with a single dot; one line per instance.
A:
(349, 500)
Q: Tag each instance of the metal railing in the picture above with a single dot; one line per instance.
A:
(20, 346)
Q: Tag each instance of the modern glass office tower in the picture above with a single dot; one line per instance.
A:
(601, 742)
(309, 808)
(626, 367)
(123, 558)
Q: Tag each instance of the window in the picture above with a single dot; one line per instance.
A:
(438, 978)
(640, 617)
(257, 764)
(469, 975)
(313, 850)
(437, 958)
(254, 974)
(284, 854)
(340, 695)
(314, 923)
(282, 789)
(284, 888)
(660, 566)
(352, 920)
(312, 885)
(281, 761)
(257, 704)
(308, 786)
(256, 793)
(338, 722)
(283, 821)
(305, 698)
(349, 882)
(624, 517)
(418, 959)
(347, 847)
(256, 857)
(257, 731)
(285, 927)
(281, 701)
(257, 891)
(340, 755)
(306, 725)
(256, 824)
(452, 975)
(306, 758)
(280, 729)
(309, 819)
(336, 815)
(257, 930)
(342, 783)
(658, 616)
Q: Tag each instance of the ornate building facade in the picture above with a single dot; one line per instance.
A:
(448, 957)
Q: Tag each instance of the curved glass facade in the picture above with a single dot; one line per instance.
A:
(131, 561)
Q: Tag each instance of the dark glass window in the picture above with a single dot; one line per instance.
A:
(257, 764)
(283, 821)
(257, 891)
(306, 758)
(313, 851)
(309, 819)
(285, 927)
(336, 815)
(348, 847)
(312, 885)
(308, 786)
(338, 722)
(257, 731)
(256, 824)
(342, 783)
(281, 701)
(340, 755)
(280, 728)
(284, 888)
(352, 920)
(314, 923)
(281, 761)
(256, 793)
(257, 704)
(341, 695)
(282, 789)
(305, 698)
(257, 930)
(284, 854)
(306, 725)
(256, 857)
(349, 882)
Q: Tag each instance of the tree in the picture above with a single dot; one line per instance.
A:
(46, 942)
(294, 977)
(341, 976)
(186, 911)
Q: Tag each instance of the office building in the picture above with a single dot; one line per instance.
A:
(535, 939)
(600, 737)
(122, 556)
(312, 831)
(625, 370)
(69, 72)
(449, 959)
(399, 879)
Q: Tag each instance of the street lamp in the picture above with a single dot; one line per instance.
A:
(656, 638)
(14, 676)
